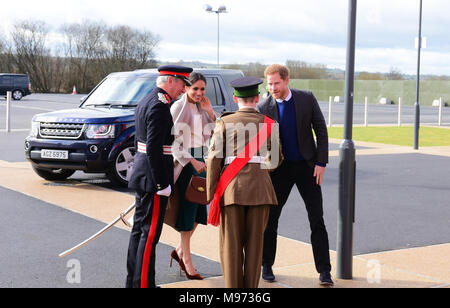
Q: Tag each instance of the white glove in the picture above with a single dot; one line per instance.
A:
(165, 192)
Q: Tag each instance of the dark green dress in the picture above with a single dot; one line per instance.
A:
(190, 213)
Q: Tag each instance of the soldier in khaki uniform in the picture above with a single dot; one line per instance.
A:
(246, 200)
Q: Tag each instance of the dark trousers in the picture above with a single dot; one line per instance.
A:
(147, 227)
(283, 179)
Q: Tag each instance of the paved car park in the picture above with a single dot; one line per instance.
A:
(401, 205)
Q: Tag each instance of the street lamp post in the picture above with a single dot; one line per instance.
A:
(221, 9)
(417, 104)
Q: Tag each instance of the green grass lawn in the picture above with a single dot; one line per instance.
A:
(429, 136)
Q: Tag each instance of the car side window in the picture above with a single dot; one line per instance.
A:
(213, 91)
(21, 81)
(6, 81)
(220, 98)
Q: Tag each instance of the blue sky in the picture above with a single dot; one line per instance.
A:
(269, 31)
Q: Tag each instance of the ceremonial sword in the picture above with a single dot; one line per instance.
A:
(121, 217)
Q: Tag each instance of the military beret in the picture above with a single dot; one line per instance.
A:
(178, 71)
(246, 86)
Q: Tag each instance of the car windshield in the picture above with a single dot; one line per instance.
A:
(121, 91)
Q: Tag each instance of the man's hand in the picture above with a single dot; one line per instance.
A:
(318, 173)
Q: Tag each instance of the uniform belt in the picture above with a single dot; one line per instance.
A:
(142, 148)
(253, 160)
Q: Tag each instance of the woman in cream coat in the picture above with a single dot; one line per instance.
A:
(194, 120)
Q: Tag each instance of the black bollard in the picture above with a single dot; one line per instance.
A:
(347, 166)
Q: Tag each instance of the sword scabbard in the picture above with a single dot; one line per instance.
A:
(121, 217)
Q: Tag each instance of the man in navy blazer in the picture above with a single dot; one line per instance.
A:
(298, 114)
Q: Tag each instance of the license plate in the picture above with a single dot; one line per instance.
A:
(54, 154)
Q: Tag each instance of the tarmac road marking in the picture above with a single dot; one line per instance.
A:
(447, 285)
(79, 197)
(16, 130)
(98, 203)
(396, 269)
(32, 108)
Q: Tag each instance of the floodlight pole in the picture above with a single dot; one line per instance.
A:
(222, 9)
(417, 104)
(347, 165)
(218, 38)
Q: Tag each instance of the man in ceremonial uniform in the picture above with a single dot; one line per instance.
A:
(152, 176)
(240, 183)
(304, 165)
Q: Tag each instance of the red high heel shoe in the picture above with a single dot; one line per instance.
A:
(174, 256)
(190, 277)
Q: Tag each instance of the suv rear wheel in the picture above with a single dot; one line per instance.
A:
(17, 95)
(53, 174)
(120, 170)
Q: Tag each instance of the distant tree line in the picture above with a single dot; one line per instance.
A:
(393, 74)
(80, 54)
(298, 69)
(304, 70)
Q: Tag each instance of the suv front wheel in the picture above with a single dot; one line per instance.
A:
(120, 170)
(53, 174)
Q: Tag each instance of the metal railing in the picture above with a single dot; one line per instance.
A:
(386, 114)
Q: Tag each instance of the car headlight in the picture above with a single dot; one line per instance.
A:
(34, 131)
(100, 131)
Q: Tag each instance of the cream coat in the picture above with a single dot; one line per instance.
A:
(184, 124)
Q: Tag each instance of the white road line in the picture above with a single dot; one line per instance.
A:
(32, 108)
(16, 130)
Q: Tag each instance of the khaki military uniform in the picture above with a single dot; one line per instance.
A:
(247, 199)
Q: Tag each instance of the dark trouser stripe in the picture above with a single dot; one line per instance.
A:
(150, 240)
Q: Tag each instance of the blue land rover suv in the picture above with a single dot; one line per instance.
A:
(98, 137)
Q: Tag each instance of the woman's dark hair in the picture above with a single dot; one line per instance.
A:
(194, 77)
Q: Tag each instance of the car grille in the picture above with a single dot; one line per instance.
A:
(61, 130)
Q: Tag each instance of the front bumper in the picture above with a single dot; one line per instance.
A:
(81, 156)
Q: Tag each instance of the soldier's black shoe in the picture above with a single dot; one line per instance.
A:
(267, 273)
(325, 279)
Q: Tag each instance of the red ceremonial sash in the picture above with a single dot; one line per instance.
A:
(233, 169)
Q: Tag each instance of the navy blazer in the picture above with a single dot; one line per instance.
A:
(309, 118)
(153, 170)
